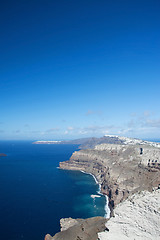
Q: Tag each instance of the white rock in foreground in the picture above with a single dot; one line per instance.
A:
(138, 218)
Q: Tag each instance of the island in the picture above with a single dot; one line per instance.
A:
(3, 155)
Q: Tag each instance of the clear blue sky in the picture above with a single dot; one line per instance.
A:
(74, 68)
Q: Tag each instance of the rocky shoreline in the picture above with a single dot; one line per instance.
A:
(121, 169)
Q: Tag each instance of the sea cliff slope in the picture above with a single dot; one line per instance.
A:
(120, 169)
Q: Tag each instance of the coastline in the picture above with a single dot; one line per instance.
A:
(121, 170)
(106, 207)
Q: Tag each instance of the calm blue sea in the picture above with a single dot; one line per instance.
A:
(35, 194)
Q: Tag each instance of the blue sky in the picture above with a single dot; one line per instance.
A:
(71, 69)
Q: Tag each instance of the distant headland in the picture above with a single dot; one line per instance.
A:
(90, 143)
(47, 142)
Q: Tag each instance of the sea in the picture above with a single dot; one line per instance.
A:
(35, 194)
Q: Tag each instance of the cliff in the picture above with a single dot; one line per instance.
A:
(120, 169)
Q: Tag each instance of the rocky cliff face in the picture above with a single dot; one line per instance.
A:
(120, 169)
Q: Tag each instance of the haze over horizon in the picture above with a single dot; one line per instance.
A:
(75, 69)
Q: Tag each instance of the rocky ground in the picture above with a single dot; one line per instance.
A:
(137, 218)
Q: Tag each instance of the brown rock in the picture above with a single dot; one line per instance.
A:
(84, 229)
(48, 237)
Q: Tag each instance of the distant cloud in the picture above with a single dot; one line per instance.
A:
(132, 123)
(145, 124)
(155, 123)
(133, 114)
(89, 130)
(92, 129)
(147, 113)
(125, 131)
(51, 130)
(90, 112)
(17, 131)
(26, 125)
(69, 130)
(140, 125)
(147, 120)
(144, 114)
(35, 131)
